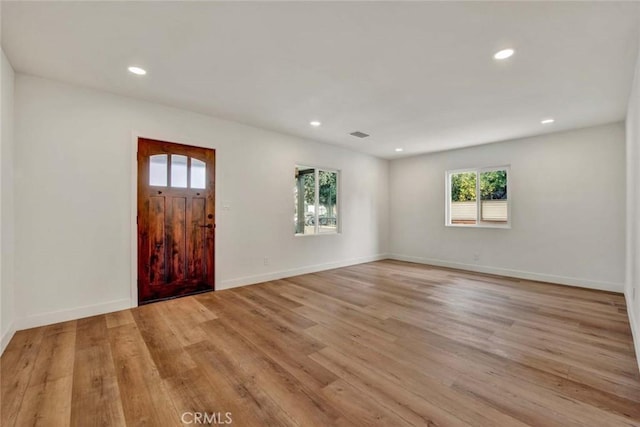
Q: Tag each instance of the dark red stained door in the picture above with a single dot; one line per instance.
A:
(176, 220)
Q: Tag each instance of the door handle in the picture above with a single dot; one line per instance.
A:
(206, 226)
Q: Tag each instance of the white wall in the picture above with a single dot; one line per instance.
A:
(567, 192)
(7, 326)
(632, 286)
(73, 172)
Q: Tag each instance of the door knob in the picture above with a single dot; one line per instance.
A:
(207, 226)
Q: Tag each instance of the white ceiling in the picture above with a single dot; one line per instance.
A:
(416, 75)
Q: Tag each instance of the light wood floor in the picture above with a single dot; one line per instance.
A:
(384, 343)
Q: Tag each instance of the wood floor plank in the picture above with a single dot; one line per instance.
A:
(95, 398)
(299, 401)
(459, 360)
(145, 400)
(408, 407)
(273, 309)
(249, 404)
(185, 315)
(119, 318)
(356, 407)
(242, 313)
(240, 394)
(426, 383)
(55, 355)
(16, 366)
(47, 404)
(162, 342)
(294, 362)
(382, 343)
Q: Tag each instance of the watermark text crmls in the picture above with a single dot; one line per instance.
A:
(207, 418)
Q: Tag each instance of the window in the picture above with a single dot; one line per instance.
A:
(478, 198)
(158, 170)
(181, 169)
(198, 174)
(316, 201)
(178, 171)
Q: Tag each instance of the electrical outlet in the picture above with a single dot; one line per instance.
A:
(266, 261)
(476, 257)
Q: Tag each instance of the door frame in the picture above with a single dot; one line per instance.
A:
(134, 201)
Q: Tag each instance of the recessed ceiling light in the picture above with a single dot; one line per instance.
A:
(547, 121)
(504, 54)
(399, 150)
(315, 123)
(137, 70)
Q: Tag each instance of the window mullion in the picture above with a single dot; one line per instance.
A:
(188, 172)
(448, 196)
(317, 201)
(478, 201)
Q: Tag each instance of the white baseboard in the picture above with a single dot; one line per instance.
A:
(527, 275)
(250, 280)
(635, 327)
(6, 337)
(72, 314)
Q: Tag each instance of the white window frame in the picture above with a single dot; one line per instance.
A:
(316, 213)
(479, 223)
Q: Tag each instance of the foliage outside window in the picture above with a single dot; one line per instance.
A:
(465, 208)
(316, 201)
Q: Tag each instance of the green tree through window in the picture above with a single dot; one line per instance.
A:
(493, 185)
(463, 187)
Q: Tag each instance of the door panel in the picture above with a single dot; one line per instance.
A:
(156, 240)
(196, 241)
(177, 234)
(176, 220)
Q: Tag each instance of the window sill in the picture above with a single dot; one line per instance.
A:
(502, 226)
(318, 234)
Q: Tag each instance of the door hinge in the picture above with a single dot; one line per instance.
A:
(136, 219)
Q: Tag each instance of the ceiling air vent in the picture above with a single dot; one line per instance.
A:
(359, 134)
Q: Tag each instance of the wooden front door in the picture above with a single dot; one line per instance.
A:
(176, 220)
